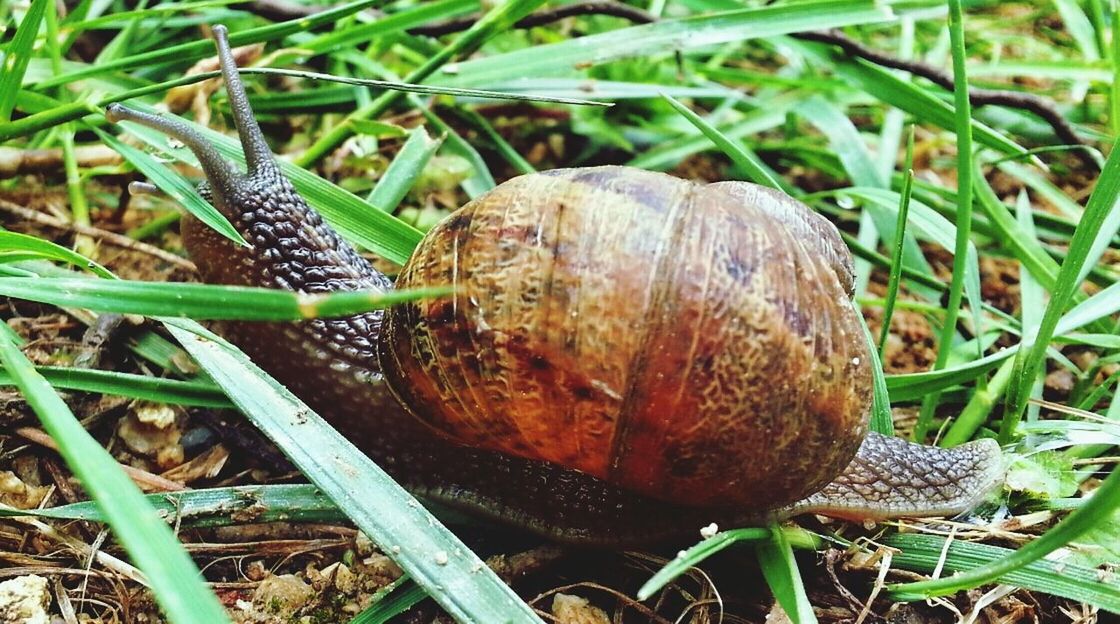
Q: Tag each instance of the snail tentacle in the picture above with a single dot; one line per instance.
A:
(258, 156)
(220, 173)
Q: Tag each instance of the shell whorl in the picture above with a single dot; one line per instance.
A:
(670, 337)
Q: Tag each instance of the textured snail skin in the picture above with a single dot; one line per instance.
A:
(333, 365)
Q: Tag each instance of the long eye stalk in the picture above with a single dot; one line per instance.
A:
(257, 154)
(225, 180)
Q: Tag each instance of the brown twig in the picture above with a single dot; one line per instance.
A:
(281, 10)
(546, 16)
(118, 240)
(1040, 106)
(16, 161)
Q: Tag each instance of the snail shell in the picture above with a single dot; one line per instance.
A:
(694, 343)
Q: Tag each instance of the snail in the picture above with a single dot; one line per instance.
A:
(627, 356)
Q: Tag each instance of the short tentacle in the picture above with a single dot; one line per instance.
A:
(223, 178)
(891, 478)
(258, 156)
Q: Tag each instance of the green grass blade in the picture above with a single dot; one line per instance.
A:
(747, 160)
(1104, 501)
(922, 553)
(1028, 362)
(775, 558)
(17, 54)
(172, 576)
(687, 559)
(408, 87)
(886, 87)
(558, 59)
(10, 241)
(203, 301)
(401, 174)
(966, 272)
(881, 418)
(894, 279)
(481, 180)
(176, 392)
(844, 139)
(451, 574)
(391, 604)
(1080, 28)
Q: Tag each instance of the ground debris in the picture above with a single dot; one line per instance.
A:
(14, 492)
(24, 600)
(568, 609)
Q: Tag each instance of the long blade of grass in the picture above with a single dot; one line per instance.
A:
(173, 577)
(16, 56)
(779, 568)
(966, 272)
(895, 277)
(1104, 501)
(888, 88)
(700, 551)
(451, 574)
(203, 301)
(667, 35)
(176, 392)
(408, 87)
(401, 174)
(12, 241)
(922, 553)
(747, 160)
(1028, 362)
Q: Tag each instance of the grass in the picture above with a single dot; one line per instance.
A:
(713, 88)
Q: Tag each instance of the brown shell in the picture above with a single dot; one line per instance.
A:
(694, 343)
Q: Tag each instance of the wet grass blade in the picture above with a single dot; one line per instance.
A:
(895, 277)
(431, 555)
(1104, 501)
(747, 160)
(11, 242)
(775, 557)
(172, 576)
(1028, 362)
(13, 63)
(402, 173)
(173, 391)
(203, 301)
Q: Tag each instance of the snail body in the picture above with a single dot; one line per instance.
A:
(626, 355)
